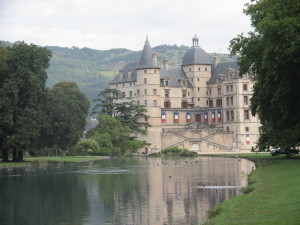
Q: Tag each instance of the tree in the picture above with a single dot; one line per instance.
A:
(114, 103)
(22, 90)
(66, 110)
(87, 145)
(113, 137)
(271, 54)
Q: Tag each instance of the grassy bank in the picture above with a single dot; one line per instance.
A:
(273, 198)
(28, 160)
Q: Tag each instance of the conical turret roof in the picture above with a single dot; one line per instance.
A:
(146, 60)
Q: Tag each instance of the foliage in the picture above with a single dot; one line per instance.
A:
(113, 137)
(87, 145)
(66, 110)
(112, 102)
(271, 54)
(172, 150)
(22, 87)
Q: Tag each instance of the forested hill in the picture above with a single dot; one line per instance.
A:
(94, 69)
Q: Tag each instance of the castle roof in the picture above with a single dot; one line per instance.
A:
(174, 75)
(221, 69)
(146, 60)
(195, 55)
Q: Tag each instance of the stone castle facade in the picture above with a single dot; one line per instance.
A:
(202, 105)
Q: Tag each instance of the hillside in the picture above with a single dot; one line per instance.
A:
(94, 69)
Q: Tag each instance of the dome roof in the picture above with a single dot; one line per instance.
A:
(195, 55)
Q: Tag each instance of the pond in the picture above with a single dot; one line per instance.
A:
(120, 191)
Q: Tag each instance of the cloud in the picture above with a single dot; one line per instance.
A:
(109, 24)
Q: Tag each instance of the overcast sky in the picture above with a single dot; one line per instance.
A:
(106, 24)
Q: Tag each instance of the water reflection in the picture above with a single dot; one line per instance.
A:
(120, 191)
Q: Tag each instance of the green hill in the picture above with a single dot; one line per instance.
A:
(94, 69)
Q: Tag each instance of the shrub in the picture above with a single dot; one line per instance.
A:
(247, 190)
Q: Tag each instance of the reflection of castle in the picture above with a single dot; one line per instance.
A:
(201, 105)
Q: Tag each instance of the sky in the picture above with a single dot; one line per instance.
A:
(107, 24)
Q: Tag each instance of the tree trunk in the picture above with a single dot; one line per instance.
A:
(20, 156)
(15, 155)
(4, 155)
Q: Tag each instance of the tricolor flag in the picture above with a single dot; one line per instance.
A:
(248, 139)
(176, 117)
(188, 117)
(219, 115)
(206, 117)
(213, 116)
(163, 117)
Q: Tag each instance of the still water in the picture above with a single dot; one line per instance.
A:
(120, 191)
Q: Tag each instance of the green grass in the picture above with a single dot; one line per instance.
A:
(29, 160)
(273, 196)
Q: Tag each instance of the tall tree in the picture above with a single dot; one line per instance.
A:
(24, 84)
(66, 110)
(271, 54)
(113, 102)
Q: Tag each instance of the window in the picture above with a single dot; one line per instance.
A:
(167, 93)
(130, 94)
(190, 69)
(245, 87)
(219, 102)
(199, 69)
(123, 84)
(227, 88)
(227, 116)
(145, 71)
(231, 100)
(219, 91)
(205, 69)
(154, 92)
(167, 83)
(209, 91)
(245, 100)
(227, 101)
(130, 84)
(231, 87)
(247, 129)
(154, 71)
(183, 83)
(154, 103)
(198, 118)
(145, 91)
(138, 102)
(138, 92)
(232, 115)
(198, 79)
(145, 80)
(184, 104)
(246, 114)
(167, 104)
(145, 102)
(116, 85)
(184, 93)
(188, 93)
(211, 103)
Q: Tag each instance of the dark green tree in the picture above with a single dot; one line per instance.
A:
(23, 89)
(113, 102)
(271, 54)
(66, 110)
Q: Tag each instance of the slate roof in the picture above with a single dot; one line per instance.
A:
(221, 68)
(130, 66)
(195, 55)
(174, 74)
(146, 61)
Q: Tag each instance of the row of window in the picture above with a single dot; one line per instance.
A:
(199, 69)
(229, 101)
(230, 115)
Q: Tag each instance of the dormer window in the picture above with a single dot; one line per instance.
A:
(167, 83)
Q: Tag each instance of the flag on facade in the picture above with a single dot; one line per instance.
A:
(188, 117)
(219, 115)
(163, 117)
(176, 117)
(206, 117)
(247, 139)
(213, 116)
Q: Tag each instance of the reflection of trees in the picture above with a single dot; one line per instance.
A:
(42, 198)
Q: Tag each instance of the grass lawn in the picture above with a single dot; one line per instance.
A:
(29, 160)
(275, 198)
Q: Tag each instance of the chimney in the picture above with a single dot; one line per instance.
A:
(154, 58)
(166, 64)
(217, 60)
